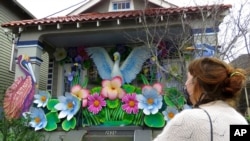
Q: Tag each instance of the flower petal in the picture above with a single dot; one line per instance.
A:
(121, 93)
(146, 87)
(62, 99)
(84, 102)
(146, 111)
(75, 89)
(116, 82)
(154, 111)
(69, 117)
(60, 106)
(104, 92)
(158, 87)
(112, 96)
(63, 114)
(85, 93)
(106, 83)
(37, 96)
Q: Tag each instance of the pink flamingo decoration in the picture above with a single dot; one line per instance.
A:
(19, 96)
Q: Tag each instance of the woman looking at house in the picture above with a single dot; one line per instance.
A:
(214, 88)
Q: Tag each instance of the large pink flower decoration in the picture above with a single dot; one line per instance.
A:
(95, 103)
(130, 103)
(81, 94)
(112, 88)
(157, 86)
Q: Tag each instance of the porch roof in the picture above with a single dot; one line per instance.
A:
(90, 17)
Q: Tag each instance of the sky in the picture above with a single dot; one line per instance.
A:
(54, 8)
(45, 8)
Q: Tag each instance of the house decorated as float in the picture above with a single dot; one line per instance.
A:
(114, 69)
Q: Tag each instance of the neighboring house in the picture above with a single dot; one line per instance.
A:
(112, 24)
(243, 62)
(10, 10)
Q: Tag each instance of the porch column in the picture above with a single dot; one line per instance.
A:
(32, 48)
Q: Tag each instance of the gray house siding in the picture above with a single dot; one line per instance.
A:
(103, 6)
(8, 12)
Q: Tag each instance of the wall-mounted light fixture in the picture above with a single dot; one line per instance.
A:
(97, 23)
(58, 26)
(40, 27)
(162, 18)
(140, 20)
(20, 29)
(78, 25)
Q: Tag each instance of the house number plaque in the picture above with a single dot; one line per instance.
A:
(110, 132)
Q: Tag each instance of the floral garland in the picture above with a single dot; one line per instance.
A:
(110, 104)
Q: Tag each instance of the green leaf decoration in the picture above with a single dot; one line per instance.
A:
(52, 120)
(87, 64)
(138, 90)
(101, 115)
(51, 104)
(128, 88)
(113, 103)
(69, 124)
(90, 119)
(95, 90)
(174, 97)
(128, 118)
(138, 119)
(155, 121)
(144, 80)
(85, 82)
(168, 101)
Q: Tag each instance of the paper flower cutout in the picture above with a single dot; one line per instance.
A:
(169, 113)
(112, 88)
(70, 76)
(38, 118)
(78, 59)
(60, 54)
(68, 106)
(150, 100)
(157, 86)
(130, 103)
(81, 94)
(95, 103)
(41, 99)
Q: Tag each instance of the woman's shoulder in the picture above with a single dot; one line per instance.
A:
(191, 111)
(190, 114)
(188, 118)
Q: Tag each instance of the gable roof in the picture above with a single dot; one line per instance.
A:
(90, 3)
(163, 3)
(84, 7)
(90, 17)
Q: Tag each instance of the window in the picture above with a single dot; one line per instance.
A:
(121, 5)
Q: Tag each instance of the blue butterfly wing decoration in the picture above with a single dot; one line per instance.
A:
(102, 60)
(133, 63)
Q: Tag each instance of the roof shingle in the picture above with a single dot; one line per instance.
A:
(114, 15)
